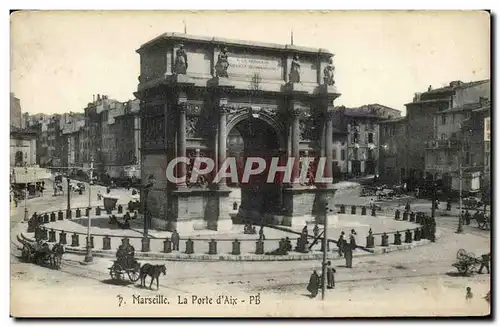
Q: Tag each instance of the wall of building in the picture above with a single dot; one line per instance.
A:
(25, 146)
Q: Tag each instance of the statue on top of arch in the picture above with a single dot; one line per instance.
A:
(181, 63)
(222, 64)
(329, 73)
(294, 76)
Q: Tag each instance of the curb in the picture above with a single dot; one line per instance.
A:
(244, 257)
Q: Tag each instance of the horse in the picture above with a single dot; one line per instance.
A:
(56, 255)
(154, 272)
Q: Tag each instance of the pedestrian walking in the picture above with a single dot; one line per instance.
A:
(468, 294)
(316, 230)
(261, 233)
(352, 239)
(372, 203)
(485, 263)
(330, 275)
(314, 283)
(348, 255)
(175, 240)
(341, 243)
(467, 217)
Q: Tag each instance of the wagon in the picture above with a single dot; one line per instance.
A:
(41, 254)
(467, 263)
(120, 269)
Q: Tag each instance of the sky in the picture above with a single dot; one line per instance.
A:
(60, 59)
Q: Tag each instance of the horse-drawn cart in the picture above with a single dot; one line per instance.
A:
(120, 268)
(467, 263)
(41, 253)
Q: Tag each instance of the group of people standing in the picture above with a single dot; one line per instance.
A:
(345, 249)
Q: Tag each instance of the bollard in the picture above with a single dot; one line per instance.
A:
(370, 241)
(106, 243)
(189, 246)
(353, 210)
(60, 215)
(146, 242)
(397, 214)
(108, 211)
(405, 215)
(259, 247)
(342, 208)
(52, 236)
(120, 208)
(78, 213)
(75, 240)
(87, 211)
(374, 212)
(397, 238)
(412, 217)
(167, 245)
(68, 214)
(408, 236)
(385, 240)
(62, 238)
(91, 241)
(417, 234)
(212, 247)
(236, 247)
(363, 211)
(52, 216)
(45, 218)
(98, 211)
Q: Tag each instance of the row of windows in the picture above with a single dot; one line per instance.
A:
(369, 137)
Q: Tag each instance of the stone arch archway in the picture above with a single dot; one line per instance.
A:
(264, 117)
(262, 137)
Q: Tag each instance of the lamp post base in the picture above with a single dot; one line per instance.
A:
(88, 258)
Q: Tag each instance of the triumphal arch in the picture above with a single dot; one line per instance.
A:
(195, 91)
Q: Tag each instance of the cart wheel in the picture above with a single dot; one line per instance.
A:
(133, 274)
(461, 253)
(116, 271)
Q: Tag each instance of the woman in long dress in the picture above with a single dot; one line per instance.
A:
(313, 285)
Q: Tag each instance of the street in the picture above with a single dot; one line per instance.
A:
(422, 277)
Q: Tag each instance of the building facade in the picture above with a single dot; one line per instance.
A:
(393, 149)
(458, 141)
(16, 118)
(428, 143)
(358, 146)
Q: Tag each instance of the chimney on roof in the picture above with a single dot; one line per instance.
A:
(429, 88)
(93, 98)
(416, 97)
(98, 97)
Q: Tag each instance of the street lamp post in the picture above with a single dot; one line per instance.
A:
(26, 192)
(69, 196)
(88, 256)
(147, 188)
(325, 251)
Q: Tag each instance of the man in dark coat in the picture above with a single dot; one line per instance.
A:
(175, 240)
(341, 243)
(330, 275)
(313, 285)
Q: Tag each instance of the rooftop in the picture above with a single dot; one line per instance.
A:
(456, 85)
(394, 120)
(181, 37)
